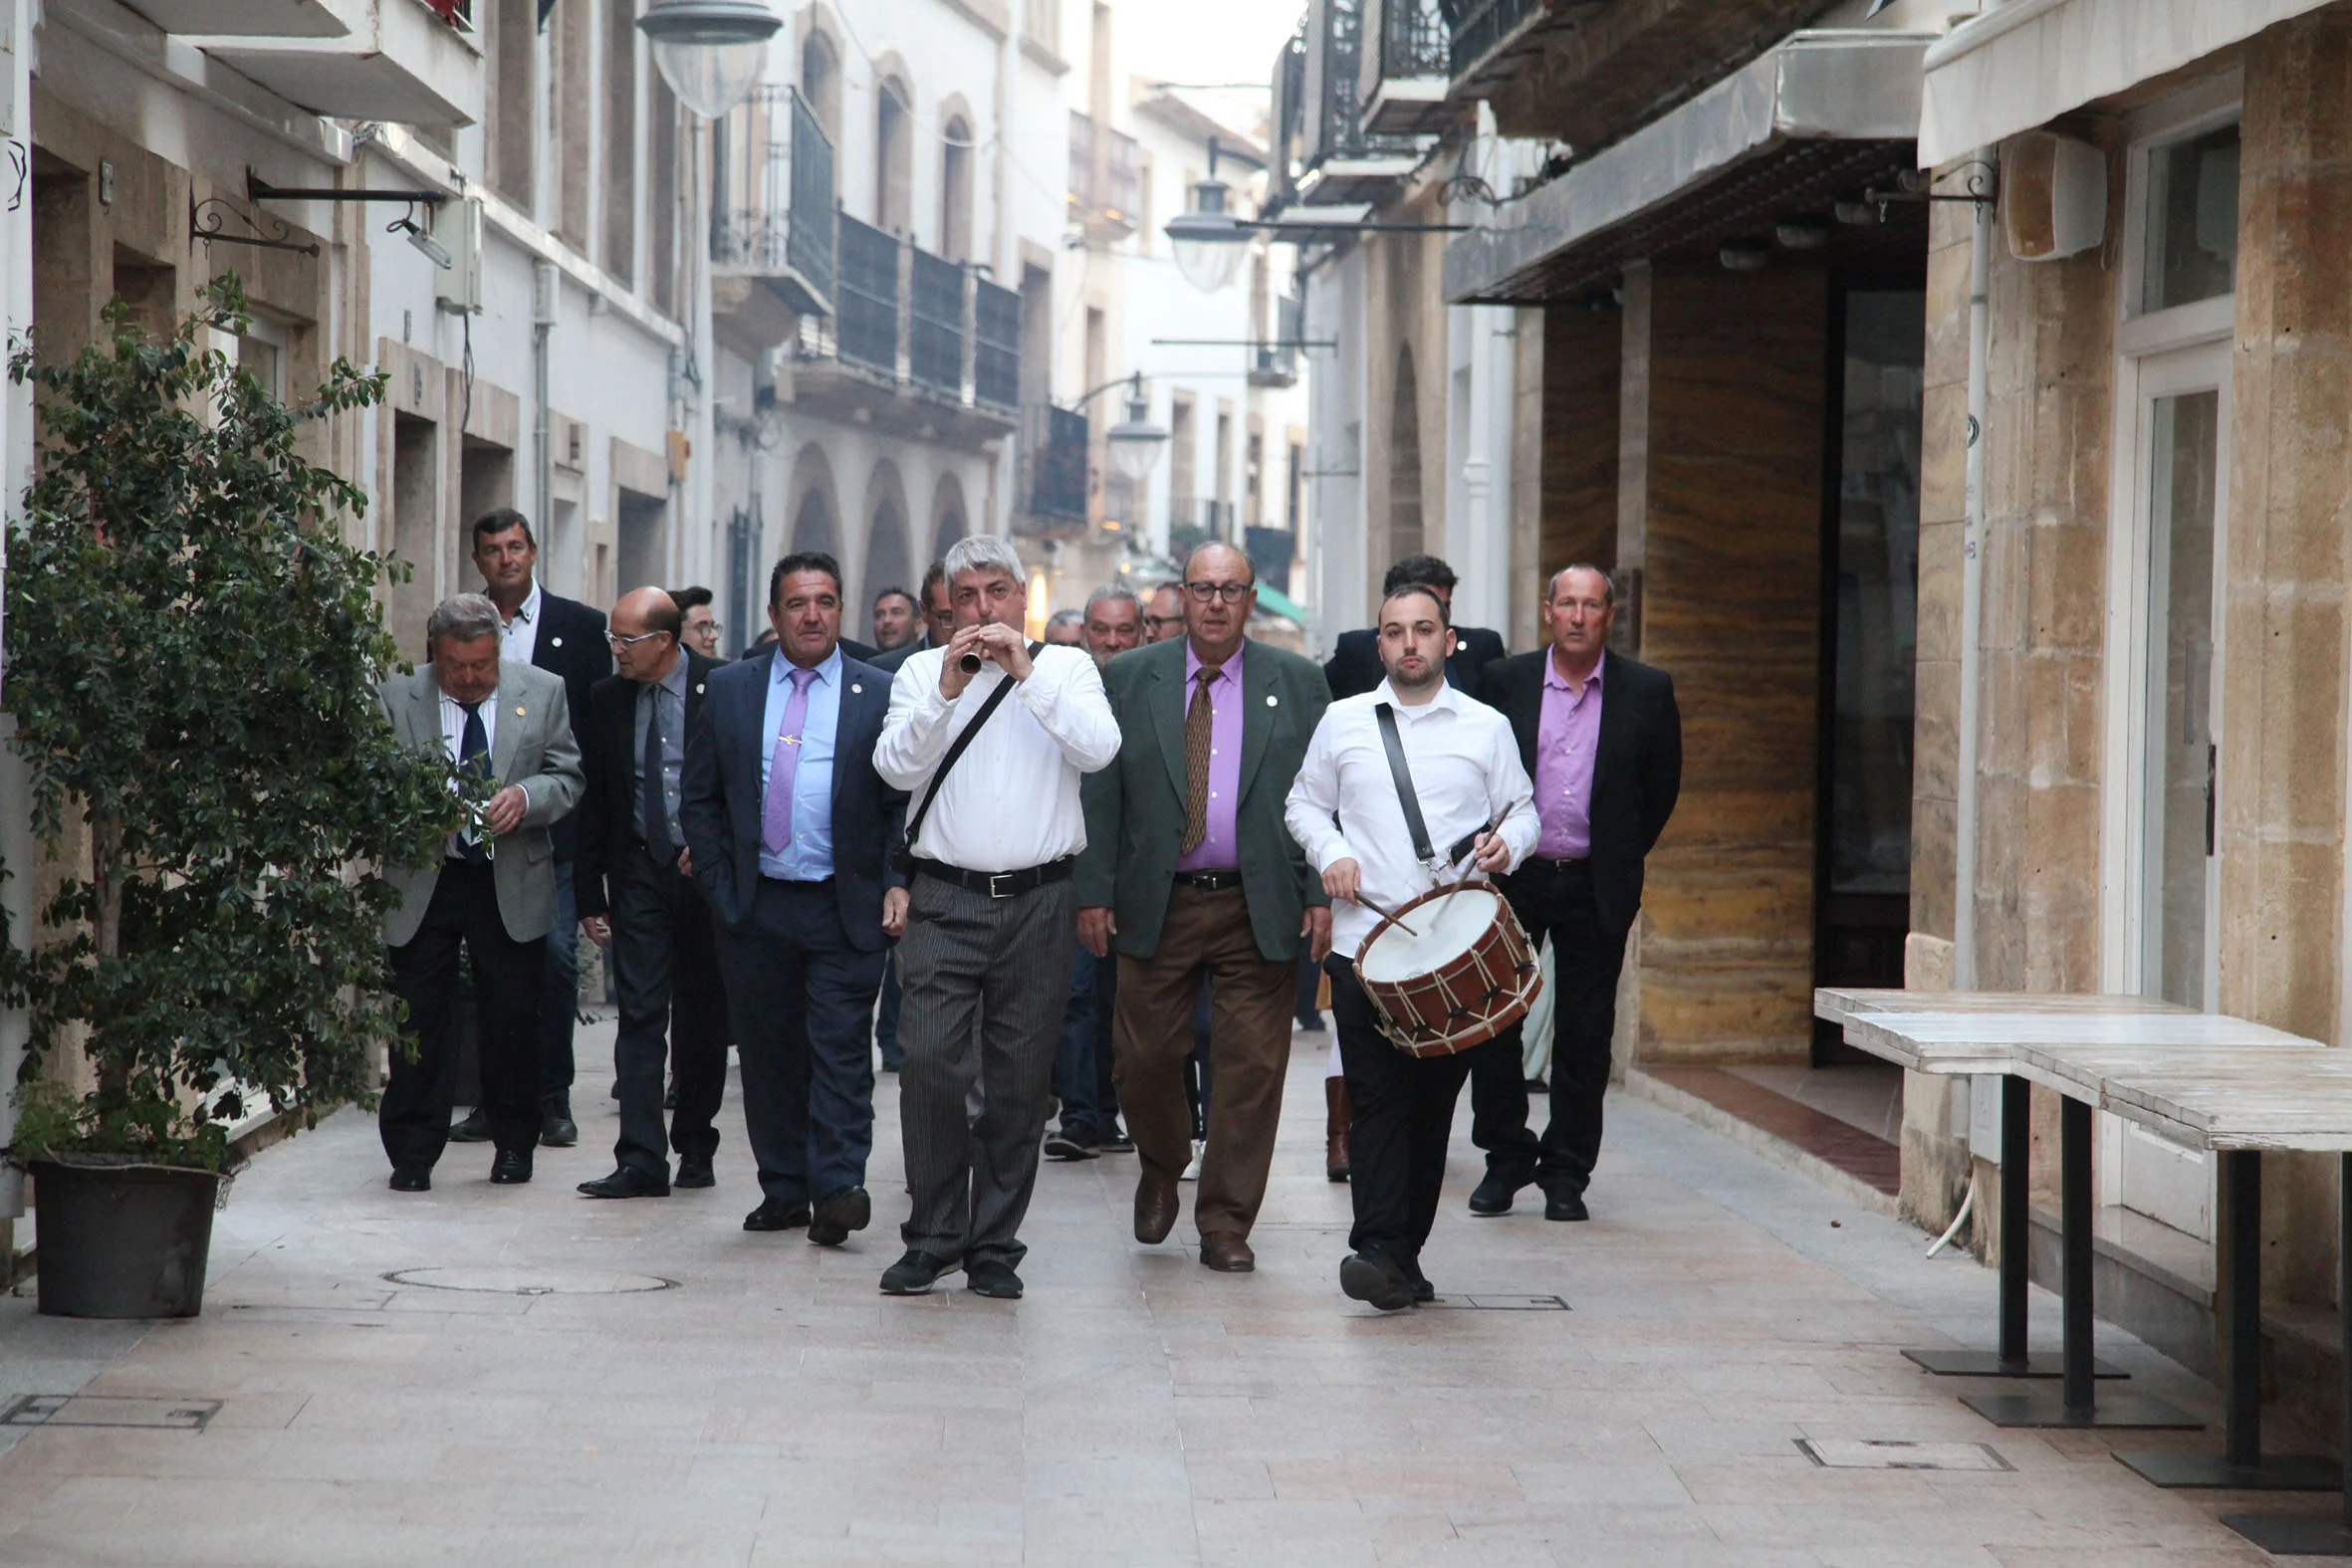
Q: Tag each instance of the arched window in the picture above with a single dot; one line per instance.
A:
(955, 189)
(894, 155)
(820, 83)
(1404, 462)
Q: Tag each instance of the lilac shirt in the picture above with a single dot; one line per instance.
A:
(1220, 848)
(1567, 735)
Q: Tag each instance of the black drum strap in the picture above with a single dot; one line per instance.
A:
(1395, 745)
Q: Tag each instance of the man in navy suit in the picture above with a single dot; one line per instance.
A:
(1355, 666)
(565, 638)
(789, 828)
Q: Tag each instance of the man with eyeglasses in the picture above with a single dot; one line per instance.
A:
(1190, 873)
(1163, 614)
(638, 900)
(700, 630)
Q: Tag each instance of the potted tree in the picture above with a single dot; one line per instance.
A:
(192, 670)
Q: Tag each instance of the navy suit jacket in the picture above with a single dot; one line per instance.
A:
(720, 797)
(1354, 667)
(570, 646)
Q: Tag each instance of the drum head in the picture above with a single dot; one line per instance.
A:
(1443, 929)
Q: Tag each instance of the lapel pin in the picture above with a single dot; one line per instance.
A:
(558, 642)
(860, 690)
(698, 687)
(518, 710)
(1272, 701)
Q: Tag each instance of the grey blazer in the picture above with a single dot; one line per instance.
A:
(535, 749)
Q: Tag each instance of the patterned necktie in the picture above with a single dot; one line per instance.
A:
(776, 812)
(473, 760)
(653, 813)
(1200, 725)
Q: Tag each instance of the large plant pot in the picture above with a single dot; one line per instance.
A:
(122, 1240)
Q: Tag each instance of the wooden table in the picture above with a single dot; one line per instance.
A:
(2239, 1103)
(1945, 1032)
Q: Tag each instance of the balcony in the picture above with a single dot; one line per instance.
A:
(1409, 68)
(1344, 163)
(1052, 477)
(1275, 363)
(409, 62)
(917, 346)
(1105, 179)
(244, 18)
(772, 219)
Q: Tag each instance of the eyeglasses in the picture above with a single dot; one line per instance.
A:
(1231, 593)
(1165, 622)
(618, 642)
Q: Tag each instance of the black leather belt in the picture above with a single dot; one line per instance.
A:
(1000, 884)
(1216, 881)
(793, 881)
(1551, 864)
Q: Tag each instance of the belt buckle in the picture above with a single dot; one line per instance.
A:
(994, 877)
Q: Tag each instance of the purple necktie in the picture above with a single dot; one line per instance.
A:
(776, 812)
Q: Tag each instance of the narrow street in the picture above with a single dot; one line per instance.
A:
(524, 1376)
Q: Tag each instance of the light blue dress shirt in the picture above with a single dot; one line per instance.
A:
(809, 858)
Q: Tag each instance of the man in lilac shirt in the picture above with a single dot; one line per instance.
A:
(1602, 737)
(1190, 873)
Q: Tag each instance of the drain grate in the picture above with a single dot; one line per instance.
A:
(107, 1410)
(530, 1281)
(1886, 1453)
(1500, 1304)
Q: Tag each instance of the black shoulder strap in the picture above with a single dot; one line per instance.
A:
(988, 709)
(1403, 775)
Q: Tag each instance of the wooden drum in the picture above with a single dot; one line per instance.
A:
(1449, 971)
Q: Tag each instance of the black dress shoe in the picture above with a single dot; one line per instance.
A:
(1493, 1196)
(1155, 1208)
(557, 1129)
(1375, 1278)
(1566, 1206)
(914, 1275)
(510, 1167)
(1061, 1146)
(839, 1214)
(775, 1214)
(1114, 1142)
(695, 1172)
(1422, 1290)
(627, 1181)
(993, 1278)
(474, 1129)
(412, 1180)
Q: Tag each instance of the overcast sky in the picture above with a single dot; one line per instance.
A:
(1209, 40)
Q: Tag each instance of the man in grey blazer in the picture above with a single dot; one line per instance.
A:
(505, 729)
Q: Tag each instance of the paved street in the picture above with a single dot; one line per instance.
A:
(644, 1383)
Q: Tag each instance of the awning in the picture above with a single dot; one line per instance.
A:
(1275, 601)
(2026, 63)
(1824, 84)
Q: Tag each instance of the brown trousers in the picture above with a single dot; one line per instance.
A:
(1207, 937)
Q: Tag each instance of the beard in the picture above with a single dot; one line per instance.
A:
(1429, 680)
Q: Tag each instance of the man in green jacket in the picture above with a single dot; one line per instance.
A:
(1191, 875)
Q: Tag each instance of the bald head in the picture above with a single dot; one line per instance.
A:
(644, 637)
(1219, 554)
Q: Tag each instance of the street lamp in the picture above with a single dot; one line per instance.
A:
(1135, 442)
(712, 53)
(1209, 240)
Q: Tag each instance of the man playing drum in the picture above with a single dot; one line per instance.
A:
(1349, 811)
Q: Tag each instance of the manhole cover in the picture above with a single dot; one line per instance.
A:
(530, 1281)
(1880, 1454)
(105, 1410)
(1501, 1304)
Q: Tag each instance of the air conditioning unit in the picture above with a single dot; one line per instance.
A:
(457, 225)
(2054, 195)
(546, 293)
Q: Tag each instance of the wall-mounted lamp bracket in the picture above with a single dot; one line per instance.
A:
(205, 219)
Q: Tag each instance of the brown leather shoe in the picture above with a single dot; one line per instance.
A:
(1155, 1207)
(1338, 1119)
(1226, 1253)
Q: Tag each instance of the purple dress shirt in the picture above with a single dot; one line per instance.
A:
(1567, 735)
(1220, 848)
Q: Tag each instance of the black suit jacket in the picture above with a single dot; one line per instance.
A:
(1354, 667)
(890, 661)
(720, 799)
(1636, 773)
(608, 734)
(570, 646)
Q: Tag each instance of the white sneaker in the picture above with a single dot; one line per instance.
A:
(1192, 1169)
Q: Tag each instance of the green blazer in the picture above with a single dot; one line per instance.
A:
(1135, 807)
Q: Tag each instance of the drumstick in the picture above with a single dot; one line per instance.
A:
(1385, 915)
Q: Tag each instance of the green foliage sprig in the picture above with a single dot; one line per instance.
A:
(192, 668)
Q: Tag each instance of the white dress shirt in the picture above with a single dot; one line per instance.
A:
(1012, 801)
(1466, 773)
(519, 639)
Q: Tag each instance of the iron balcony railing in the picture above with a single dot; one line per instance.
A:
(1413, 40)
(1275, 363)
(1054, 454)
(1105, 176)
(772, 185)
(996, 344)
(910, 318)
(867, 282)
(935, 328)
(1479, 27)
(1336, 116)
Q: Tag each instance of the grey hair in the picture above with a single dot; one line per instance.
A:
(1609, 581)
(1067, 618)
(463, 617)
(985, 552)
(1109, 591)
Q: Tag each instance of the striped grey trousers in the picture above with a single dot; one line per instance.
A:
(1003, 964)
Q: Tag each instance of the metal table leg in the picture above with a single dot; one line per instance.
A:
(2240, 1464)
(2077, 1403)
(2012, 1360)
(2326, 1534)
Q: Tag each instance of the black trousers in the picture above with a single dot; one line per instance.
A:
(1404, 1116)
(665, 958)
(413, 1116)
(1554, 898)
